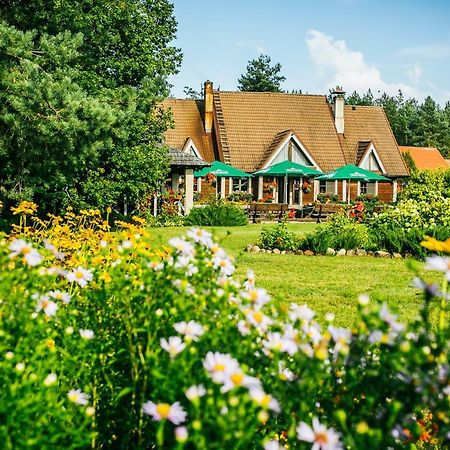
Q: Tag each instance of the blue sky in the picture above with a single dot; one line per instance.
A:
(382, 44)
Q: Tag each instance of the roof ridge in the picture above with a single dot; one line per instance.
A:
(269, 93)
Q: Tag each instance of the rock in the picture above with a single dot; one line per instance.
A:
(341, 252)
(299, 252)
(360, 252)
(370, 253)
(249, 248)
(276, 251)
(382, 254)
(308, 253)
(408, 255)
(283, 252)
(351, 252)
(397, 255)
(255, 249)
(331, 251)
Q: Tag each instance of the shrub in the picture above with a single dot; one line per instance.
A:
(171, 350)
(327, 198)
(339, 232)
(240, 197)
(279, 237)
(217, 214)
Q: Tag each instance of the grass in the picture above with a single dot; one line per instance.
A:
(326, 284)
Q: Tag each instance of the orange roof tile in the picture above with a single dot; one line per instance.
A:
(426, 157)
(188, 122)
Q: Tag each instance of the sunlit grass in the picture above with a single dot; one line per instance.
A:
(327, 284)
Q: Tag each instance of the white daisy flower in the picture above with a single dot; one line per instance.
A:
(342, 338)
(191, 330)
(224, 264)
(48, 306)
(87, 334)
(50, 379)
(438, 264)
(284, 373)
(301, 312)
(257, 296)
(217, 251)
(321, 437)
(164, 411)
(237, 378)
(80, 275)
(59, 295)
(195, 392)
(173, 346)
(272, 445)
(258, 319)
(182, 246)
(78, 397)
(249, 283)
(19, 247)
(390, 319)
(156, 265)
(181, 434)
(201, 236)
(219, 365)
(264, 400)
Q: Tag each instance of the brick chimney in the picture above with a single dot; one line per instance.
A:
(208, 93)
(338, 96)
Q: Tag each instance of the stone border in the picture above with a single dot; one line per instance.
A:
(251, 248)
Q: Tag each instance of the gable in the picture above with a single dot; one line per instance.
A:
(289, 148)
(370, 159)
(188, 124)
(191, 149)
(370, 124)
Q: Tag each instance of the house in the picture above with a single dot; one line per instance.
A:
(254, 130)
(429, 158)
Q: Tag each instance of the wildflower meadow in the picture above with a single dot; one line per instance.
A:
(106, 342)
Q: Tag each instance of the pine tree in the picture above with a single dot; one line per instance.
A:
(261, 76)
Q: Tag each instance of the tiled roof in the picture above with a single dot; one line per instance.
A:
(369, 123)
(426, 157)
(182, 159)
(361, 150)
(253, 120)
(251, 126)
(188, 120)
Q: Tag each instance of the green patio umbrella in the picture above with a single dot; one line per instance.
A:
(289, 169)
(220, 169)
(350, 172)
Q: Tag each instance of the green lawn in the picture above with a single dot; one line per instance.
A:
(324, 283)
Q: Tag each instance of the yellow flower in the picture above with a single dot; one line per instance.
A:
(106, 277)
(24, 207)
(438, 246)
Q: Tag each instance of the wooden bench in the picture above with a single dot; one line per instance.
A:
(323, 210)
(257, 211)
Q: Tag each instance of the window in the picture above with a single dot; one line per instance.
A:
(240, 184)
(326, 187)
(363, 188)
(367, 188)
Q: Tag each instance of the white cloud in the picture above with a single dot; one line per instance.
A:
(414, 73)
(348, 68)
(254, 45)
